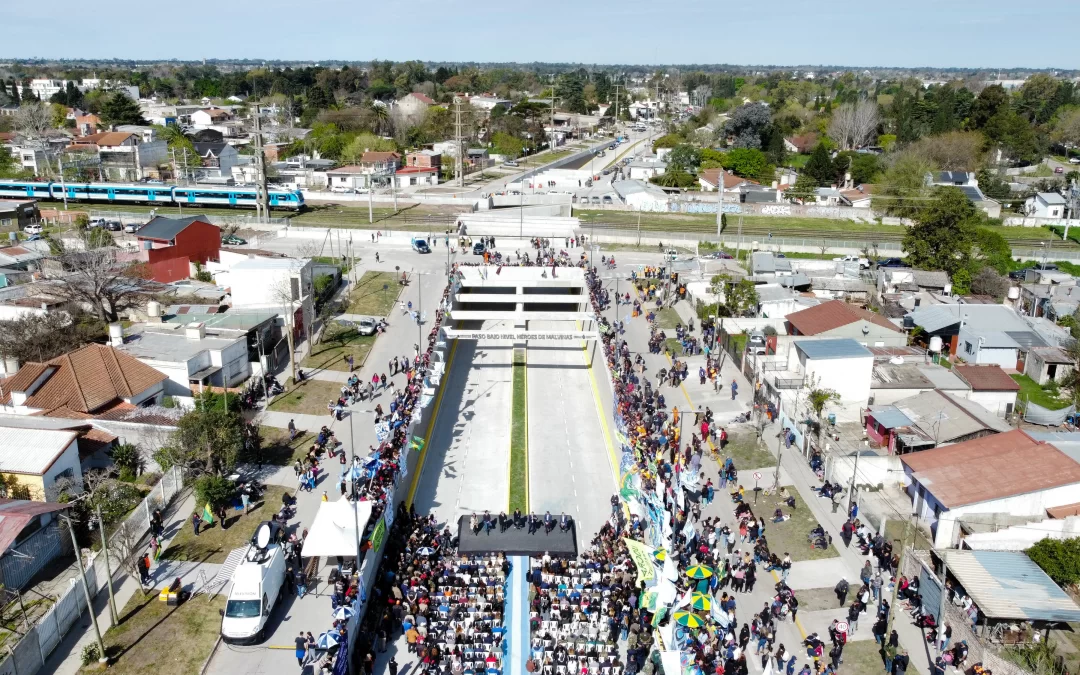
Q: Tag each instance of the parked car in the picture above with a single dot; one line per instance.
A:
(1074, 160)
(891, 262)
(478, 248)
(130, 228)
(96, 222)
(718, 255)
(113, 225)
(756, 343)
(863, 262)
(1058, 169)
(233, 240)
(34, 229)
(366, 326)
(420, 245)
(341, 189)
(1019, 274)
(510, 162)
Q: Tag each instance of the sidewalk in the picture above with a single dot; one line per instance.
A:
(824, 573)
(66, 659)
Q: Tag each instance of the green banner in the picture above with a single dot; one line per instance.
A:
(642, 557)
(378, 535)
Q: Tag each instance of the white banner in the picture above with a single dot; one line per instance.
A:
(521, 336)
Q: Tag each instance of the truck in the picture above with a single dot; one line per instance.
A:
(257, 584)
(863, 262)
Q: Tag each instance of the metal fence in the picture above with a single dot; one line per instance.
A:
(31, 652)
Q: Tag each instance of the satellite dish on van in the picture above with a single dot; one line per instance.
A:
(262, 537)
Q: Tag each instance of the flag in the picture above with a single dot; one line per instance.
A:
(629, 487)
(207, 515)
(417, 443)
(378, 535)
(642, 557)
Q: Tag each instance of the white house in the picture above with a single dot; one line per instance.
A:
(640, 195)
(842, 365)
(1008, 473)
(990, 386)
(415, 176)
(189, 357)
(38, 458)
(275, 283)
(204, 119)
(987, 346)
(413, 105)
(646, 167)
(1045, 205)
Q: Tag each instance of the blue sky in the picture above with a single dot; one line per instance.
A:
(943, 33)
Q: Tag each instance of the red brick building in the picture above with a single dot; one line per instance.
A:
(170, 245)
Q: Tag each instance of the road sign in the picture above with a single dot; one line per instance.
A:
(757, 475)
(841, 627)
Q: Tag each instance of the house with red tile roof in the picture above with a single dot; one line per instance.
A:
(838, 319)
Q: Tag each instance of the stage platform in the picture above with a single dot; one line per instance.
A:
(516, 541)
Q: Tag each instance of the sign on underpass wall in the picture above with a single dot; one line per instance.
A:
(521, 335)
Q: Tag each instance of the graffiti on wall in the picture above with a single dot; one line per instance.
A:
(824, 211)
(775, 210)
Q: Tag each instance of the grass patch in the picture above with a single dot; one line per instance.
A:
(370, 298)
(155, 638)
(1032, 391)
(215, 542)
(816, 599)
(673, 346)
(744, 450)
(790, 535)
(519, 437)
(277, 449)
(331, 352)
(668, 318)
(308, 398)
(861, 656)
(894, 532)
(335, 261)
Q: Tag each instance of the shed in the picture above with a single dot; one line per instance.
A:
(1009, 586)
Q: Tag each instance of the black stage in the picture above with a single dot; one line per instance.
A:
(516, 541)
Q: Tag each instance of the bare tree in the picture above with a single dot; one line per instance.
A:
(33, 119)
(310, 249)
(853, 124)
(95, 277)
(124, 548)
(282, 294)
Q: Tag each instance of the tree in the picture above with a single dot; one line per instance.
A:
(740, 298)
(804, 189)
(95, 277)
(667, 141)
(903, 188)
(819, 400)
(1015, 136)
(991, 250)
(1059, 558)
(684, 157)
(944, 232)
(989, 282)
(747, 124)
(993, 185)
(39, 338)
(987, 104)
(675, 177)
(749, 163)
(854, 124)
(1067, 126)
(33, 119)
(58, 115)
(119, 108)
(208, 439)
(953, 151)
(820, 166)
(354, 151)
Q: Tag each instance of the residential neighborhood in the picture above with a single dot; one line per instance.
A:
(303, 354)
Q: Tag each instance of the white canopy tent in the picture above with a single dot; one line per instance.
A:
(334, 531)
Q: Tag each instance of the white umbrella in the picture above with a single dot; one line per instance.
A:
(344, 613)
(327, 640)
(425, 550)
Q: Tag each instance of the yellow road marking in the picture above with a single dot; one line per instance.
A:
(431, 423)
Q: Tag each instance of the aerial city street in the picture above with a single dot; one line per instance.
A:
(338, 353)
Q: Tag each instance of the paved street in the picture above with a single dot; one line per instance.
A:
(569, 466)
(467, 463)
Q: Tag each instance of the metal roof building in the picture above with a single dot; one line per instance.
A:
(1007, 585)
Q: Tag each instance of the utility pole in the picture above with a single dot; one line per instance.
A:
(460, 155)
(86, 592)
(108, 568)
(617, 87)
(854, 473)
(551, 144)
(63, 187)
(899, 566)
(262, 202)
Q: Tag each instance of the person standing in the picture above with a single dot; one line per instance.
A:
(734, 389)
(196, 522)
(841, 591)
(900, 663)
(292, 430)
(301, 649)
(144, 569)
(392, 667)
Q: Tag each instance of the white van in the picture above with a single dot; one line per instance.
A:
(257, 584)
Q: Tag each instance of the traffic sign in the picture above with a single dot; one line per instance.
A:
(841, 627)
(757, 475)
